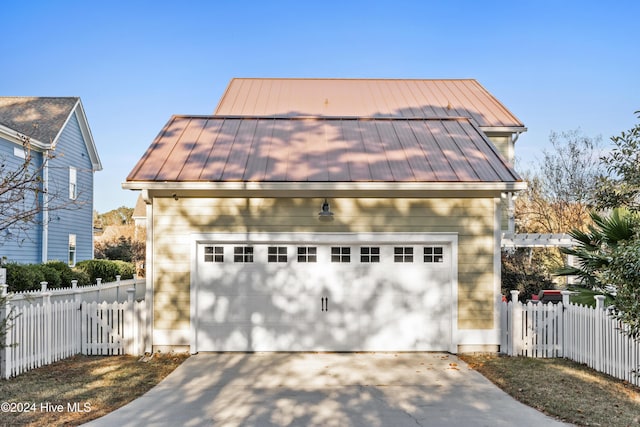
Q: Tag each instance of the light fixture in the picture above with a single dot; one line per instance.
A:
(325, 213)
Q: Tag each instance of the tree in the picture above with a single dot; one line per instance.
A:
(120, 216)
(623, 272)
(622, 186)
(560, 190)
(598, 244)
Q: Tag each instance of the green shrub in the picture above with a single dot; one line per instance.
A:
(106, 269)
(51, 275)
(126, 270)
(24, 277)
(27, 277)
(81, 276)
(66, 273)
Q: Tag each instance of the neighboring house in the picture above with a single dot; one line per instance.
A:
(330, 214)
(54, 127)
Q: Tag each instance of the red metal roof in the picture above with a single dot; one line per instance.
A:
(321, 149)
(427, 98)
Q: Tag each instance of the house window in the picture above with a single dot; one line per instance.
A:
(340, 254)
(243, 254)
(19, 152)
(307, 254)
(277, 254)
(403, 254)
(73, 183)
(433, 254)
(369, 254)
(72, 250)
(213, 254)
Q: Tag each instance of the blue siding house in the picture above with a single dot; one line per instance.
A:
(58, 134)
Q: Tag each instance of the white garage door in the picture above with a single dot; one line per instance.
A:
(323, 293)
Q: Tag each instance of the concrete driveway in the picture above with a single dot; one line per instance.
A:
(325, 389)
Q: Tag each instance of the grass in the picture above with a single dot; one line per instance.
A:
(563, 389)
(81, 388)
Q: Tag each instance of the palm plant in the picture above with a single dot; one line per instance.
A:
(595, 246)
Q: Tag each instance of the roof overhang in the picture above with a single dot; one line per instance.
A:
(18, 138)
(325, 189)
(490, 130)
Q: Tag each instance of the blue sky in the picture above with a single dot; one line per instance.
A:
(557, 65)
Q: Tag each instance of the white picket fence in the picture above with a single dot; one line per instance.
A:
(109, 292)
(44, 333)
(580, 333)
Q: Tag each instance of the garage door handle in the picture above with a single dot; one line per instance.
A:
(324, 301)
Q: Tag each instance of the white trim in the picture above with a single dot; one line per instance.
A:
(330, 186)
(149, 267)
(87, 136)
(537, 240)
(479, 336)
(54, 142)
(170, 337)
(497, 269)
(14, 136)
(324, 238)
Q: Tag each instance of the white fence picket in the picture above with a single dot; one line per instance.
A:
(110, 292)
(43, 334)
(580, 333)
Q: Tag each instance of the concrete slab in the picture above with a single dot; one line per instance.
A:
(325, 389)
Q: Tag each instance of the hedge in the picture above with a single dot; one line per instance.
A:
(106, 269)
(27, 277)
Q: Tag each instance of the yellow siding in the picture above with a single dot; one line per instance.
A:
(174, 221)
(504, 145)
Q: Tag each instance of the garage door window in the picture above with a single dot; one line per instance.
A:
(433, 254)
(369, 254)
(277, 254)
(243, 254)
(403, 254)
(340, 254)
(213, 254)
(307, 254)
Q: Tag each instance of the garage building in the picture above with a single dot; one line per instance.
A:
(330, 215)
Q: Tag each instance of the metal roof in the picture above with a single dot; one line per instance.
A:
(426, 98)
(321, 149)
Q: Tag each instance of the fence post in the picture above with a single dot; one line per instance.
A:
(515, 327)
(118, 288)
(98, 285)
(77, 300)
(598, 344)
(129, 320)
(5, 344)
(564, 338)
(47, 327)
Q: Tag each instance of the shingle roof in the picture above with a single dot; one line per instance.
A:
(329, 149)
(426, 98)
(40, 118)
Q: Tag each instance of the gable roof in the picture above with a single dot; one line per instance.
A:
(427, 98)
(216, 149)
(42, 119)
